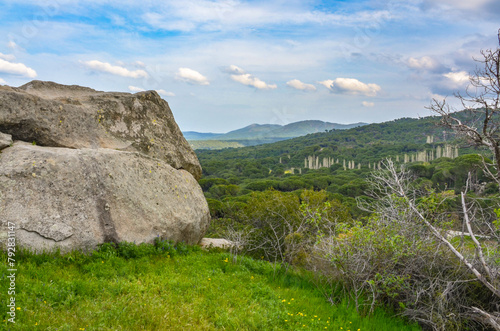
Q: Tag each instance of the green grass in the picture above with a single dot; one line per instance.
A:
(174, 288)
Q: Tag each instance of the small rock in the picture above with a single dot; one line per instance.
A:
(207, 243)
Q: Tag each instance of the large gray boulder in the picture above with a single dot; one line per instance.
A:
(88, 167)
(58, 115)
(78, 198)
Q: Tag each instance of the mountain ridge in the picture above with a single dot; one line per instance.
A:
(270, 132)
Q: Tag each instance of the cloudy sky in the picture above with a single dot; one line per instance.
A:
(223, 65)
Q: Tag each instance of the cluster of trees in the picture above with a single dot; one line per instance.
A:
(345, 186)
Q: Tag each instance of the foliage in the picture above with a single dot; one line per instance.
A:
(401, 256)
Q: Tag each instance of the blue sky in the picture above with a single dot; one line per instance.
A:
(222, 65)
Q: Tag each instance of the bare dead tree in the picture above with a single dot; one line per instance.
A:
(482, 100)
(485, 271)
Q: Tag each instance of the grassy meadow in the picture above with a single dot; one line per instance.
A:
(167, 287)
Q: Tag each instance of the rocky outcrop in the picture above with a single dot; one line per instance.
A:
(55, 115)
(100, 183)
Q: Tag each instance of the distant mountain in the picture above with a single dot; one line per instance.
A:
(256, 134)
(303, 128)
(252, 131)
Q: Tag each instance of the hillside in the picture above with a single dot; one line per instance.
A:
(368, 143)
(257, 134)
(339, 161)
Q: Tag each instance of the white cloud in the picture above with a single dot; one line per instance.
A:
(115, 70)
(460, 4)
(232, 69)
(136, 89)
(12, 45)
(139, 64)
(7, 57)
(327, 83)
(247, 79)
(297, 84)
(423, 63)
(474, 11)
(140, 89)
(3, 82)
(241, 76)
(457, 79)
(16, 68)
(351, 86)
(191, 76)
(368, 104)
(165, 93)
(437, 97)
(233, 14)
(118, 20)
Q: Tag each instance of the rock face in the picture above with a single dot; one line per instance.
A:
(92, 179)
(57, 115)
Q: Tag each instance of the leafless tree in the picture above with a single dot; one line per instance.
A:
(483, 266)
(403, 255)
(482, 101)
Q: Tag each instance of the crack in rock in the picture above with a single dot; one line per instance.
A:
(49, 230)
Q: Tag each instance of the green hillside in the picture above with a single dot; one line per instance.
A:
(306, 127)
(253, 131)
(369, 143)
(258, 134)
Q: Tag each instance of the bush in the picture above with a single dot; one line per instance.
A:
(401, 256)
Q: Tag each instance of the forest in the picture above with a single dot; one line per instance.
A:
(402, 214)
